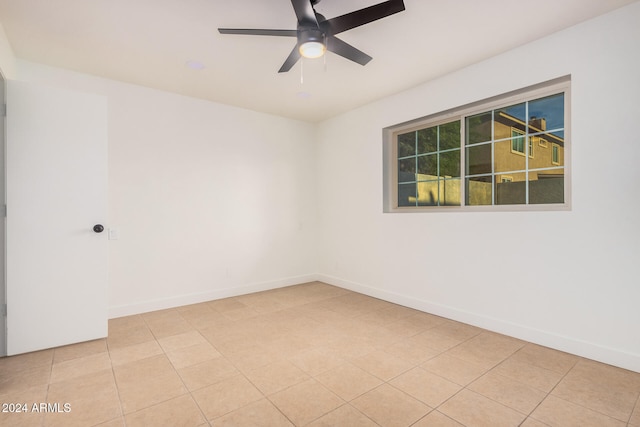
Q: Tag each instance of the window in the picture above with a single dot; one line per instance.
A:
(555, 154)
(517, 143)
(474, 157)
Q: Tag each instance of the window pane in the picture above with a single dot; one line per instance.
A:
(548, 151)
(442, 192)
(508, 118)
(407, 195)
(547, 113)
(511, 189)
(506, 159)
(546, 186)
(478, 191)
(428, 140)
(479, 128)
(407, 144)
(428, 167)
(450, 164)
(450, 135)
(428, 193)
(479, 159)
(407, 170)
(450, 192)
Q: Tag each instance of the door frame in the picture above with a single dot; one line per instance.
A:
(3, 243)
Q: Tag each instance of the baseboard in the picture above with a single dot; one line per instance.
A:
(195, 298)
(567, 344)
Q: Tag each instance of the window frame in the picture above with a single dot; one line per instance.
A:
(531, 93)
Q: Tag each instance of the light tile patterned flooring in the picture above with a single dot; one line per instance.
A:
(315, 355)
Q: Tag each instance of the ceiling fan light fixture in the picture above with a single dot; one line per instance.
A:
(312, 49)
(311, 43)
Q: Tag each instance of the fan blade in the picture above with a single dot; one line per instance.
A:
(291, 60)
(345, 50)
(259, 32)
(363, 16)
(304, 12)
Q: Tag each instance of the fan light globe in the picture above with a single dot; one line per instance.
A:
(312, 49)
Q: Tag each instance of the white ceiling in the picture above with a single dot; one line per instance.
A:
(149, 42)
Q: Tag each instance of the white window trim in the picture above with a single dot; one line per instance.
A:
(390, 195)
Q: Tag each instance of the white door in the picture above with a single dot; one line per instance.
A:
(56, 192)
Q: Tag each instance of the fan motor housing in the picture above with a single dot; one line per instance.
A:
(308, 34)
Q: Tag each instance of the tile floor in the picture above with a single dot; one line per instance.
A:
(315, 355)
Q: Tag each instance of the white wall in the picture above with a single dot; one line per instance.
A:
(475, 267)
(209, 200)
(7, 64)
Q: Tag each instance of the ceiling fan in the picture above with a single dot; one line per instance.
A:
(316, 34)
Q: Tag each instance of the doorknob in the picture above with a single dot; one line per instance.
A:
(98, 228)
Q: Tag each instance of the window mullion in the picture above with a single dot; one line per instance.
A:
(493, 158)
(438, 162)
(526, 153)
(415, 178)
(463, 162)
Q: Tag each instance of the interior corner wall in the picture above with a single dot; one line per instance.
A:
(208, 200)
(7, 58)
(566, 279)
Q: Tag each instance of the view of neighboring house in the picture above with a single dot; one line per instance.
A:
(508, 159)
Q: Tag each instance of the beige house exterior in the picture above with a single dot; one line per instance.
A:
(511, 153)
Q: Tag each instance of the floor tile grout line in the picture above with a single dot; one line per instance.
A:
(401, 391)
(46, 398)
(584, 407)
(635, 406)
(442, 413)
(547, 394)
(465, 387)
(552, 388)
(345, 403)
(156, 340)
(189, 392)
(578, 404)
(115, 381)
(492, 369)
(279, 410)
